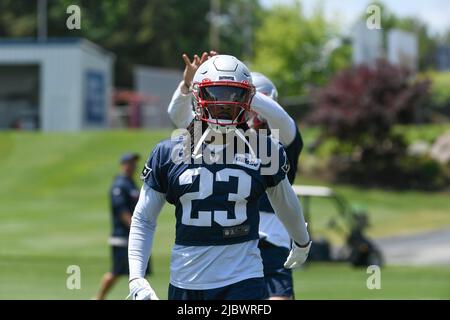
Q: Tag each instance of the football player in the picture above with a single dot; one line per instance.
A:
(274, 240)
(266, 114)
(123, 198)
(216, 253)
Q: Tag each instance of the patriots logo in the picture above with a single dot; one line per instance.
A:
(145, 172)
(286, 166)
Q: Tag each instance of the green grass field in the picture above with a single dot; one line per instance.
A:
(54, 213)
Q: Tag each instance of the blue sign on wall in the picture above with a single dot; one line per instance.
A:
(95, 102)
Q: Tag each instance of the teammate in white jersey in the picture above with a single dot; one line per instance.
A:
(266, 114)
(216, 199)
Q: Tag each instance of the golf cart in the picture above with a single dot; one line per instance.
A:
(350, 223)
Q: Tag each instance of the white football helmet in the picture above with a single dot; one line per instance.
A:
(266, 87)
(222, 90)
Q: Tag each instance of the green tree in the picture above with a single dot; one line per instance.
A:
(290, 49)
(139, 32)
(145, 32)
(239, 19)
(17, 18)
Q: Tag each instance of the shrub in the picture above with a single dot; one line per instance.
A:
(360, 107)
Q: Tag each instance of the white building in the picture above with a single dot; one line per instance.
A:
(403, 49)
(55, 85)
(367, 44)
(160, 84)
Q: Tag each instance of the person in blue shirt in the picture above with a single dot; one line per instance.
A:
(123, 195)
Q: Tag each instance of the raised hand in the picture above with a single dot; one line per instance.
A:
(192, 66)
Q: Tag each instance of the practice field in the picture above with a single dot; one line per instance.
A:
(44, 277)
(54, 213)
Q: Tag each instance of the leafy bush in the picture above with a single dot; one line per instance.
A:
(439, 100)
(367, 101)
(360, 107)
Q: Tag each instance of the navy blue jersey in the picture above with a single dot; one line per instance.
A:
(293, 153)
(215, 203)
(124, 196)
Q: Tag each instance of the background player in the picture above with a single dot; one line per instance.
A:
(123, 196)
(274, 240)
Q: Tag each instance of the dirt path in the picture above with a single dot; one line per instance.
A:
(430, 248)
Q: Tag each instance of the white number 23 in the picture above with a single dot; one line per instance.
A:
(206, 184)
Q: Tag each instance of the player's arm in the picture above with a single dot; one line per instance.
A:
(125, 217)
(288, 209)
(276, 116)
(142, 230)
(180, 110)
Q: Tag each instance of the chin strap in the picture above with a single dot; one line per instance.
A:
(195, 153)
(240, 135)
